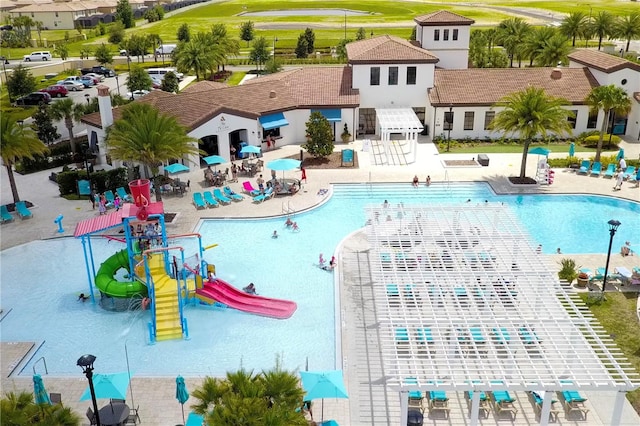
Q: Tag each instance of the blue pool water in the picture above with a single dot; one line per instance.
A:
(41, 290)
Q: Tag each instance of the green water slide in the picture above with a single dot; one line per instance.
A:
(108, 285)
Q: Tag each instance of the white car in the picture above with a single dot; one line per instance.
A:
(37, 56)
(72, 86)
(100, 77)
(137, 94)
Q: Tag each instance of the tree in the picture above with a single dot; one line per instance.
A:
(20, 409)
(511, 34)
(553, 52)
(137, 45)
(20, 82)
(319, 135)
(43, 125)
(70, 112)
(228, 46)
(273, 66)
(361, 34)
(602, 26)
(124, 14)
(302, 50)
(628, 27)
(198, 55)
(154, 14)
(478, 52)
(170, 83)
(341, 49)
(22, 27)
(311, 40)
(153, 42)
(17, 143)
(259, 52)
(103, 55)
(535, 41)
(62, 50)
(529, 113)
(144, 135)
(184, 33)
(139, 79)
(116, 33)
(574, 25)
(39, 27)
(246, 31)
(85, 52)
(608, 99)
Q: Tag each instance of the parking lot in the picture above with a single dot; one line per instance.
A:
(87, 93)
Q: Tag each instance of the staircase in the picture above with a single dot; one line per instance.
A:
(167, 311)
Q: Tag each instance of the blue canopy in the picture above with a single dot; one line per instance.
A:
(323, 384)
(39, 392)
(283, 164)
(273, 121)
(331, 115)
(539, 150)
(214, 159)
(108, 386)
(250, 149)
(176, 168)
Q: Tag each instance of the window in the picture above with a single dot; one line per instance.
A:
(445, 36)
(468, 120)
(374, 79)
(572, 120)
(436, 35)
(32, 15)
(488, 118)
(592, 121)
(56, 14)
(454, 35)
(448, 120)
(411, 75)
(393, 76)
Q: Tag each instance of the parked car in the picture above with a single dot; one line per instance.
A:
(157, 82)
(72, 86)
(123, 52)
(35, 98)
(137, 94)
(37, 56)
(56, 91)
(99, 69)
(88, 81)
(98, 77)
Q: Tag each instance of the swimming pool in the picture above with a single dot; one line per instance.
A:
(41, 289)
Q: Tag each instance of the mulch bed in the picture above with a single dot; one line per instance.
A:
(12, 207)
(333, 161)
(516, 180)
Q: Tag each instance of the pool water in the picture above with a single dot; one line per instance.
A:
(40, 290)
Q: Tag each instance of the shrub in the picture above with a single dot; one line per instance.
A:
(569, 270)
(592, 140)
(101, 180)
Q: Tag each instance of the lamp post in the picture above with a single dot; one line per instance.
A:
(129, 62)
(86, 363)
(275, 40)
(588, 34)
(371, 34)
(87, 97)
(449, 126)
(117, 83)
(613, 227)
(345, 24)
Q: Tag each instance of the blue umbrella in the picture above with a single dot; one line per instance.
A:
(214, 159)
(250, 149)
(108, 386)
(176, 168)
(620, 154)
(181, 393)
(572, 149)
(323, 384)
(540, 151)
(40, 393)
(283, 164)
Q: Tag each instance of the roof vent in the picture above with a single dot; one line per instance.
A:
(556, 74)
(272, 94)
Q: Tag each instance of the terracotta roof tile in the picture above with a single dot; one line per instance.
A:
(487, 86)
(601, 61)
(204, 85)
(442, 17)
(388, 49)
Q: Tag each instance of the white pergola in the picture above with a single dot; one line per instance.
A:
(468, 305)
(398, 120)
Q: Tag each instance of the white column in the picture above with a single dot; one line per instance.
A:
(617, 408)
(404, 407)
(106, 119)
(475, 408)
(546, 408)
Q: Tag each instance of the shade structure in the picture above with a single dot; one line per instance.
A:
(181, 393)
(539, 151)
(39, 392)
(620, 154)
(214, 159)
(572, 149)
(176, 168)
(108, 386)
(332, 115)
(273, 121)
(283, 164)
(250, 149)
(323, 384)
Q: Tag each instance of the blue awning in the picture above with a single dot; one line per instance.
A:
(273, 121)
(330, 114)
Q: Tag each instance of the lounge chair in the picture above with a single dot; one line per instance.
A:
(195, 420)
(402, 341)
(574, 402)
(6, 216)
(198, 201)
(500, 335)
(596, 168)
(218, 196)
(478, 340)
(267, 194)
(415, 397)
(584, 167)
(528, 336)
(631, 170)
(393, 295)
(229, 193)
(503, 403)
(611, 170)
(537, 398)
(483, 408)
(123, 195)
(424, 339)
(56, 398)
(23, 211)
(208, 198)
(246, 185)
(439, 402)
(110, 198)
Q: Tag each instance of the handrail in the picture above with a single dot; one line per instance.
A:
(46, 370)
(158, 250)
(193, 234)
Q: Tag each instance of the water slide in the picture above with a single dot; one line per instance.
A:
(108, 285)
(220, 291)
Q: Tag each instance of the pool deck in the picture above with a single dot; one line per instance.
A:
(156, 396)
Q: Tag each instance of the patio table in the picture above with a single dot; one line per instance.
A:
(114, 414)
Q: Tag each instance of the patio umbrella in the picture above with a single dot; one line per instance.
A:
(572, 149)
(214, 159)
(175, 168)
(539, 151)
(108, 386)
(181, 393)
(40, 393)
(620, 154)
(323, 384)
(283, 164)
(250, 149)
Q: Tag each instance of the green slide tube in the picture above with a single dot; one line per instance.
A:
(110, 286)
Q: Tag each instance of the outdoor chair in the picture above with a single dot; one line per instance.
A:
(393, 295)
(402, 340)
(584, 167)
(479, 340)
(631, 170)
(483, 408)
(229, 193)
(249, 189)
(91, 416)
(424, 338)
(439, 402)
(537, 398)
(23, 211)
(218, 196)
(596, 168)
(134, 416)
(573, 402)
(528, 337)
(262, 197)
(123, 195)
(611, 170)
(6, 216)
(415, 397)
(55, 398)
(110, 198)
(198, 201)
(208, 198)
(503, 403)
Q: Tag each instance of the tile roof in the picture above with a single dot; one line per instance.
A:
(487, 86)
(204, 85)
(442, 17)
(77, 6)
(387, 49)
(601, 61)
(288, 90)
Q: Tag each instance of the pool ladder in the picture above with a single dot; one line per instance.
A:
(44, 361)
(288, 209)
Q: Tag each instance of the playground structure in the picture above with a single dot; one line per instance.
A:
(149, 273)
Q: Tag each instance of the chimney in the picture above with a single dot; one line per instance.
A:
(104, 104)
(272, 94)
(556, 74)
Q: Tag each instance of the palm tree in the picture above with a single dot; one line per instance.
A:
(511, 34)
(144, 135)
(553, 52)
(574, 26)
(535, 42)
(602, 25)
(196, 55)
(609, 99)
(628, 27)
(229, 46)
(17, 143)
(70, 112)
(529, 113)
(20, 409)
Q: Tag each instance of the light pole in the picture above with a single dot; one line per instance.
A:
(613, 227)
(86, 363)
(117, 83)
(449, 126)
(4, 69)
(588, 33)
(275, 40)
(345, 24)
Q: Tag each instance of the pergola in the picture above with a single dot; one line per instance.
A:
(469, 305)
(398, 120)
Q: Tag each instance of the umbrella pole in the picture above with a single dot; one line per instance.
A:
(322, 412)
(182, 413)
(126, 354)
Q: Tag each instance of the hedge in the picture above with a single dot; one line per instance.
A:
(101, 180)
